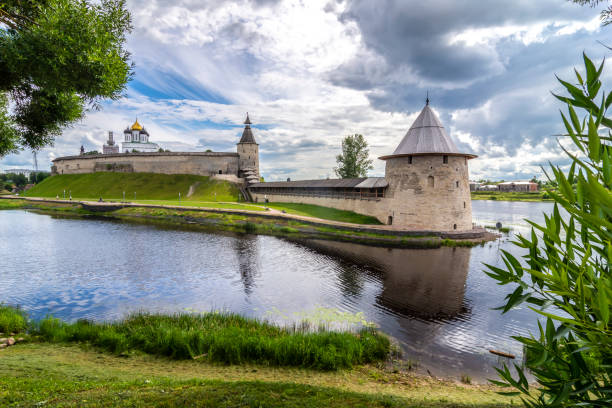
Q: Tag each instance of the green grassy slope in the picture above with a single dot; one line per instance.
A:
(148, 186)
(325, 213)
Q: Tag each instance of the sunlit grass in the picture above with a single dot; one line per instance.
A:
(325, 213)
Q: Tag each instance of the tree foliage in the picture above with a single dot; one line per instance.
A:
(354, 160)
(565, 276)
(58, 58)
(606, 14)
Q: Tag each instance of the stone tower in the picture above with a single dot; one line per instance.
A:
(428, 179)
(248, 150)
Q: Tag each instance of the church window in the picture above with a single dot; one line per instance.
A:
(445, 159)
(430, 181)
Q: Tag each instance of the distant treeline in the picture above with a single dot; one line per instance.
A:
(10, 180)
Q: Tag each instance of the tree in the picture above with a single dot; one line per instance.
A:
(606, 14)
(354, 160)
(58, 59)
(565, 276)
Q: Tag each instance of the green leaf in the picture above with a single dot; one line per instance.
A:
(604, 301)
(594, 141)
(590, 69)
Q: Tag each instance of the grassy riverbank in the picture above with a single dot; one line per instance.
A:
(511, 196)
(211, 221)
(324, 213)
(62, 364)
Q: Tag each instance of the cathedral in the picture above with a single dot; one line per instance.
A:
(136, 138)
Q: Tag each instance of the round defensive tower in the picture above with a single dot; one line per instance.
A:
(428, 179)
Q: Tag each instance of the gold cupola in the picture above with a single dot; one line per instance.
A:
(136, 125)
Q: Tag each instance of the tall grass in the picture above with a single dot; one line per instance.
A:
(225, 338)
(12, 320)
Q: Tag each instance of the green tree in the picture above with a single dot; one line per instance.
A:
(606, 14)
(354, 160)
(58, 59)
(565, 276)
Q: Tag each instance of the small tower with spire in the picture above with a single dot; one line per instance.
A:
(248, 150)
(82, 150)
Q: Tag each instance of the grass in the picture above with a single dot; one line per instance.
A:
(42, 374)
(222, 338)
(203, 204)
(502, 229)
(12, 320)
(148, 186)
(511, 196)
(324, 213)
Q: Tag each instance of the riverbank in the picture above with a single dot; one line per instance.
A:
(535, 196)
(254, 222)
(40, 374)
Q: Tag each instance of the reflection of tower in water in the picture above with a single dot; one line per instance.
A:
(428, 284)
(247, 254)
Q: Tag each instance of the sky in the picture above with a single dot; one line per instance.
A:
(311, 72)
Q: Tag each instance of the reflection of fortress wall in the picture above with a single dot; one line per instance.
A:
(425, 283)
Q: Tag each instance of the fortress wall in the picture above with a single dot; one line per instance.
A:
(429, 194)
(204, 164)
(375, 208)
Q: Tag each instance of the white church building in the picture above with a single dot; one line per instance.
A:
(136, 138)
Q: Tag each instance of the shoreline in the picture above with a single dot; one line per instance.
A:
(253, 222)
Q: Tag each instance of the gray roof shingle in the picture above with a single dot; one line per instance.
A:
(362, 182)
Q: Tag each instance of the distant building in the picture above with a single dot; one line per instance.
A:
(475, 186)
(25, 172)
(110, 147)
(488, 187)
(524, 186)
(136, 138)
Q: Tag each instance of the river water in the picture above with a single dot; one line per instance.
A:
(436, 302)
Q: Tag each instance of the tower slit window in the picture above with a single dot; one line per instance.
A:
(445, 159)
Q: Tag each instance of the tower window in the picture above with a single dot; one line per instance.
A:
(430, 181)
(221, 172)
(409, 159)
(445, 159)
(457, 184)
(454, 226)
(464, 204)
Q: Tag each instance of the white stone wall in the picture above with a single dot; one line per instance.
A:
(166, 163)
(415, 203)
(249, 155)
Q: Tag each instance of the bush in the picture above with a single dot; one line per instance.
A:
(566, 273)
(12, 320)
(250, 228)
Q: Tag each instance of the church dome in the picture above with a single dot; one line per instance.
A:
(136, 126)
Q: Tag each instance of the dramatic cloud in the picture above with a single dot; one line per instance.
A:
(312, 72)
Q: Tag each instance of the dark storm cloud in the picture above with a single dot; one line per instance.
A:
(417, 34)
(503, 86)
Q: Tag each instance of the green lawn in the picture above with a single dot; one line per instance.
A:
(204, 204)
(147, 186)
(325, 213)
(54, 375)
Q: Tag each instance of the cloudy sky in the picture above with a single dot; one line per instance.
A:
(310, 72)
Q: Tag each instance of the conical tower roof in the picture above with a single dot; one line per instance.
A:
(247, 134)
(427, 136)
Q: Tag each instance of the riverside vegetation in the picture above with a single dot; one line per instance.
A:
(211, 359)
(250, 223)
(565, 275)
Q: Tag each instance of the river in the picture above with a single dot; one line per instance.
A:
(436, 303)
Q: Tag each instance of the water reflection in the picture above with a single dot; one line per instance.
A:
(428, 284)
(247, 254)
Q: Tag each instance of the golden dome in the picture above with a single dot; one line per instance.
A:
(136, 126)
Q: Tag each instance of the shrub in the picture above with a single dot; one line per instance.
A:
(566, 274)
(12, 320)
(250, 228)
